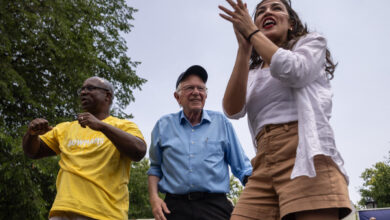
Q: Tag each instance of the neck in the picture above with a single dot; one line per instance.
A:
(194, 116)
(99, 115)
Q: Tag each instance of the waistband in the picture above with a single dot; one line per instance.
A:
(195, 195)
(270, 127)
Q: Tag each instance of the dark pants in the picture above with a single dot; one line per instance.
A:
(209, 207)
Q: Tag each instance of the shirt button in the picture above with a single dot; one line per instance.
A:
(193, 130)
(192, 186)
(190, 171)
(192, 142)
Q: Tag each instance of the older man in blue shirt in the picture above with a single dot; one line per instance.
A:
(190, 154)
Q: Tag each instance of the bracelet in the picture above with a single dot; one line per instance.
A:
(250, 36)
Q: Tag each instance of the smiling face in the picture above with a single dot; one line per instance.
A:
(191, 94)
(273, 20)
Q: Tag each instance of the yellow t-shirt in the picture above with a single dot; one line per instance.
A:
(93, 176)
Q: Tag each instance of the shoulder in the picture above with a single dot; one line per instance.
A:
(214, 114)
(169, 118)
(65, 125)
(217, 116)
(119, 122)
(313, 38)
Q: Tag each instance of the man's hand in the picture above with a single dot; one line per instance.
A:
(38, 126)
(158, 207)
(87, 119)
(33, 147)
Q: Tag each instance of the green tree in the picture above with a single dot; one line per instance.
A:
(235, 189)
(138, 189)
(376, 184)
(47, 49)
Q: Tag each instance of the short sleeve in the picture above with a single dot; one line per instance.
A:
(51, 139)
(132, 128)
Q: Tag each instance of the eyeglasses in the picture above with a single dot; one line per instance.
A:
(90, 88)
(191, 89)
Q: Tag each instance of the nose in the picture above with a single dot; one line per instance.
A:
(267, 11)
(195, 91)
(82, 91)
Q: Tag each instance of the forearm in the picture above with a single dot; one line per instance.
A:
(153, 187)
(31, 145)
(235, 94)
(126, 143)
(264, 47)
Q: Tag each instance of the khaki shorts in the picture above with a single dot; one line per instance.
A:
(271, 194)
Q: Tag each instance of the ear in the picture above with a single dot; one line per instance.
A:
(177, 97)
(292, 24)
(109, 96)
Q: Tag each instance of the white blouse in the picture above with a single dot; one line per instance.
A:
(295, 87)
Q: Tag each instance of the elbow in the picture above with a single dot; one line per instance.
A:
(141, 152)
(231, 110)
(140, 155)
(29, 154)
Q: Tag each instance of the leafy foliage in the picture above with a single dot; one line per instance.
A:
(138, 189)
(48, 48)
(376, 184)
(235, 189)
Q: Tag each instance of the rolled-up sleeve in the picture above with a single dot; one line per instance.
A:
(238, 115)
(155, 153)
(304, 64)
(235, 155)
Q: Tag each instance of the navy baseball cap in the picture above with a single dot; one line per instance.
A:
(193, 70)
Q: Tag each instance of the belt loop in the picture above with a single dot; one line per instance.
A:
(286, 127)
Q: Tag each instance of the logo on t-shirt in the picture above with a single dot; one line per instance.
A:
(85, 143)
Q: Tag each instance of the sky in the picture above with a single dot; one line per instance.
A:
(169, 36)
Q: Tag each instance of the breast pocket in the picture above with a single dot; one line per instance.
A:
(213, 151)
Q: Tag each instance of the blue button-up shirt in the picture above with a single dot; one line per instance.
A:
(190, 158)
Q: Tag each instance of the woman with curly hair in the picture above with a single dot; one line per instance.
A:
(281, 81)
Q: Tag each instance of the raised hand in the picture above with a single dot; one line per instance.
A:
(38, 126)
(87, 119)
(242, 42)
(240, 17)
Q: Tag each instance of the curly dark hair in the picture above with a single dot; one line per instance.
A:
(298, 30)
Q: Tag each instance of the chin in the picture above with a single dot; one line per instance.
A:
(195, 109)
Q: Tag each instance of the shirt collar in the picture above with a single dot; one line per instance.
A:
(205, 117)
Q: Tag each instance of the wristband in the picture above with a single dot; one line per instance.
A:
(254, 32)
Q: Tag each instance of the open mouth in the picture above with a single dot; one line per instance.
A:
(269, 23)
(84, 100)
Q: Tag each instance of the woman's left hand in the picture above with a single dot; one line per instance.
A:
(240, 17)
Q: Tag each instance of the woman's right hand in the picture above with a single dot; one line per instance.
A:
(242, 42)
(240, 17)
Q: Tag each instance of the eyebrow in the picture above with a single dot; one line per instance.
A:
(272, 5)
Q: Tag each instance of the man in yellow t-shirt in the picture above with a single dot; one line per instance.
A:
(96, 151)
